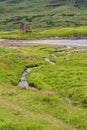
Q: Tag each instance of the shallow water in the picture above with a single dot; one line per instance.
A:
(81, 42)
(54, 54)
(48, 60)
(23, 82)
(67, 43)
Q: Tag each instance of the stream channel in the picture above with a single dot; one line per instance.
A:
(23, 81)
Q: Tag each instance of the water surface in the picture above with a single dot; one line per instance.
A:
(81, 42)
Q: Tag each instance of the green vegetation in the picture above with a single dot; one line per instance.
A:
(42, 14)
(61, 101)
(60, 32)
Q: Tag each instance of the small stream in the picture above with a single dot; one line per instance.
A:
(48, 60)
(54, 54)
(24, 83)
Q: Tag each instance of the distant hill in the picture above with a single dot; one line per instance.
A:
(41, 14)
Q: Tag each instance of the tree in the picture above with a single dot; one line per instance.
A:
(24, 28)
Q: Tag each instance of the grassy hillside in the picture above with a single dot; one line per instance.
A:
(61, 100)
(42, 14)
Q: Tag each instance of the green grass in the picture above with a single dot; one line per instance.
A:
(59, 32)
(60, 103)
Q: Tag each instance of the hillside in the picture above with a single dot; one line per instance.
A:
(42, 14)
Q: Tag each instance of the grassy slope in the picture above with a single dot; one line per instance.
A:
(59, 105)
(41, 16)
(58, 32)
